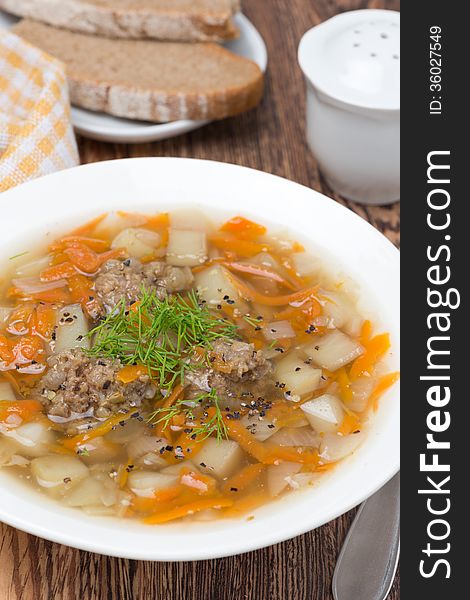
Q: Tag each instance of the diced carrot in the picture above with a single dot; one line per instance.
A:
(366, 332)
(94, 243)
(239, 247)
(59, 295)
(188, 509)
(259, 271)
(349, 425)
(382, 386)
(27, 349)
(102, 429)
(130, 373)
(83, 258)
(61, 271)
(243, 478)
(375, 349)
(244, 228)
(45, 321)
(159, 221)
(25, 409)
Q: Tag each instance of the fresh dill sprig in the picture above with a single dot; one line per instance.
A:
(253, 321)
(208, 425)
(19, 255)
(160, 334)
(213, 424)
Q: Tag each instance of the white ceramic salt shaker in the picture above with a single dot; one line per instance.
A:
(352, 66)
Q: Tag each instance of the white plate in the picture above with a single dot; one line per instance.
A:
(56, 202)
(106, 128)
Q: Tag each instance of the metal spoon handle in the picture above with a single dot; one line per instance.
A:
(368, 560)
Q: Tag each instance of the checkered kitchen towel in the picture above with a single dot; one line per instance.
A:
(36, 135)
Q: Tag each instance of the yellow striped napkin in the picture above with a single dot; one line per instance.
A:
(36, 134)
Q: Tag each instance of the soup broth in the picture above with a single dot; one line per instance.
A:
(160, 367)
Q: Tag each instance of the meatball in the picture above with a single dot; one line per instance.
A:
(118, 280)
(239, 373)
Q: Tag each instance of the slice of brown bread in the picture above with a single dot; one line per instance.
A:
(176, 20)
(149, 80)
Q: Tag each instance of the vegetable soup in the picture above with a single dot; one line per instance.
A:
(162, 367)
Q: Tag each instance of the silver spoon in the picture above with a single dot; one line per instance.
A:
(368, 560)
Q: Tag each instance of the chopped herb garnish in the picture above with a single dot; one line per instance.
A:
(204, 426)
(160, 334)
(19, 255)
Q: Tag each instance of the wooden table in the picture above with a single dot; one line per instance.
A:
(270, 138)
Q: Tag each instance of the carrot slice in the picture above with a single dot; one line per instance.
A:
(366, 332)
(382, 386)
(103, 429)
(45, 321)
(236, 246)
(56, 272)
(6, 354)
(249, 230)
(266, 453)
(93, 243)
(250, 502)
(296, 299)
(130, 373)
(171, 398)
(244, 478)
(350, 423)
(375, 349)
(187, 509)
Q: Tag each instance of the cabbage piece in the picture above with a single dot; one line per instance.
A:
(341, 311)
(146, 483)
(56, 471)
(278, 476)
(31, 438)
(296, 436)
(335, 447)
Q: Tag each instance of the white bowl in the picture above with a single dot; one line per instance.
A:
(38, 211)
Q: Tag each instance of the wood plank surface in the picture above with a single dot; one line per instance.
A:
(270, 138)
